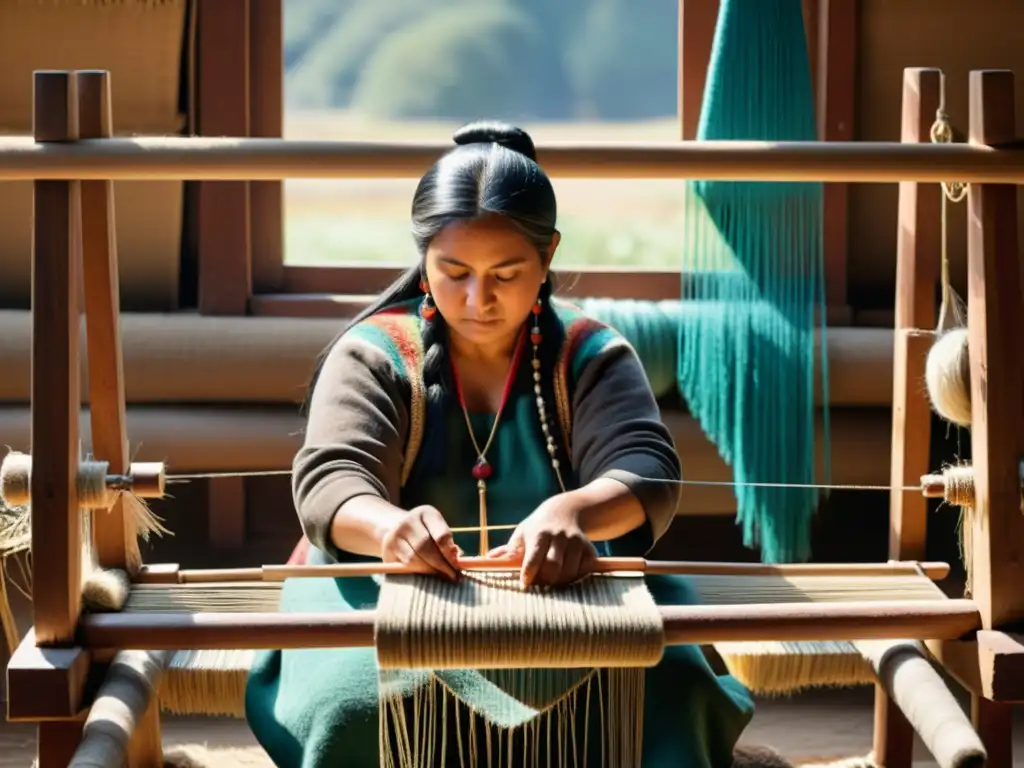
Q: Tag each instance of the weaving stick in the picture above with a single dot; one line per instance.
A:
(155, 574)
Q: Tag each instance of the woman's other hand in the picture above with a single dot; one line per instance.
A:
(551, 543)
(422, 540)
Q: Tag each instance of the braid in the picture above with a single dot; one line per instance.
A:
(547, 354)
(436, 373)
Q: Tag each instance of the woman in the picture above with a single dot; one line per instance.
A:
(467, 396)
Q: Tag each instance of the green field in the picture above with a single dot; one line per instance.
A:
(637, 224)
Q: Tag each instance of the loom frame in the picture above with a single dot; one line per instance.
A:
(990, 666)
(72, 162)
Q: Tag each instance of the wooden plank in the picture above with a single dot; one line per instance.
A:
(103, 326)
(113, 536)
(46, 683)
(1001, 664)
(56, 327)
(836, 81)
(917, 267)
(994, 310)
(266, 106)
(893, 735)
(224, 227)
(344, 306)
(917, 259)
(57, 742)
(994, 724)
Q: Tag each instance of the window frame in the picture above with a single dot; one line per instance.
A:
(238, 227)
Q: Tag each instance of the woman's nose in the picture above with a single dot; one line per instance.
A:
(479, 293)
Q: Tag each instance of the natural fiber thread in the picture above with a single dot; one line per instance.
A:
(11, 634)
(908, 677)
(488, 621)
(948, 377)
(93, 494)
(213, 682)
(106, 590)
(123, 699)
(16, 482)
(959, 482)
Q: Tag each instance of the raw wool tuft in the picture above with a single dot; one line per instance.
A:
(948, 377)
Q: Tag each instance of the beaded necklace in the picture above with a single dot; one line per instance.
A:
(482, 469)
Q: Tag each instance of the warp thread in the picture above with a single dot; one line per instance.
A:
(548, 650)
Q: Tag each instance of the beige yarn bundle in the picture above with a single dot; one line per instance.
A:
(948, 377)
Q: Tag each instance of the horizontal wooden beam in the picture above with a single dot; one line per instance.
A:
(683, 625)
(343, 306)
(202, 158)
(1001, 663)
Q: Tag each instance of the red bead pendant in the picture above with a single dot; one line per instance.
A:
(481, 470)
(535, 339)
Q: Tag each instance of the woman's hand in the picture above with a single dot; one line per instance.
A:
(551, 542)
(422, 540)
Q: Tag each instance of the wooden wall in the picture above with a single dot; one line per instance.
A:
(955, 36)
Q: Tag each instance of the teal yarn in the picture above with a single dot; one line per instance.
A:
(650, 327)
(754, 263)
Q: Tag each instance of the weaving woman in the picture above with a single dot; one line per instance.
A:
(468, 396)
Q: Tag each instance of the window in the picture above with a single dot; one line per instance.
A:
(604, 70)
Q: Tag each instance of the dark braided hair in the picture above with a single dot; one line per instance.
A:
(492, 170)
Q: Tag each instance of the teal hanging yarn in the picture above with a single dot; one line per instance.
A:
(754, 264)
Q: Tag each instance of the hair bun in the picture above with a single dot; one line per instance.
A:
(508, 136)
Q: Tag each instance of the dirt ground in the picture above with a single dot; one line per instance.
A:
(811, 728)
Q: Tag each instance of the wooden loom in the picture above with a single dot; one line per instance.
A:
(168, 610)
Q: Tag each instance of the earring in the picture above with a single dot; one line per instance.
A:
(427, 307)
(535, 337)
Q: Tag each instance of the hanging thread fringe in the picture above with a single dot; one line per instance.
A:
(754, 272)
(535, 645)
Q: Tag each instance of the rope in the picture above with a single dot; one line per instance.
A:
(950, 312)
(713, 483)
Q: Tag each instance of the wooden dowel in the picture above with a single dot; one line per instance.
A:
(704, 624)
(933, 486)
(266, 159)
(934, 571)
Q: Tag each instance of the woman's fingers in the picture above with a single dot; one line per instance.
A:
(437, 528)
(427, 549)
(406, 554)
(552, 567)
(533, 558)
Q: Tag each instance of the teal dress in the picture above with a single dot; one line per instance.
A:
(319, 707)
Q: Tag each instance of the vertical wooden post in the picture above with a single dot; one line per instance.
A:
(56, 328)
(995, 307)
(103, 328)
(266, 103)
(113, 535)
(697, 20)
(224, 226)
(836, 81)
(917, 260)
(918, 253)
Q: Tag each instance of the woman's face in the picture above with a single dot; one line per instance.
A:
(484, 277)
